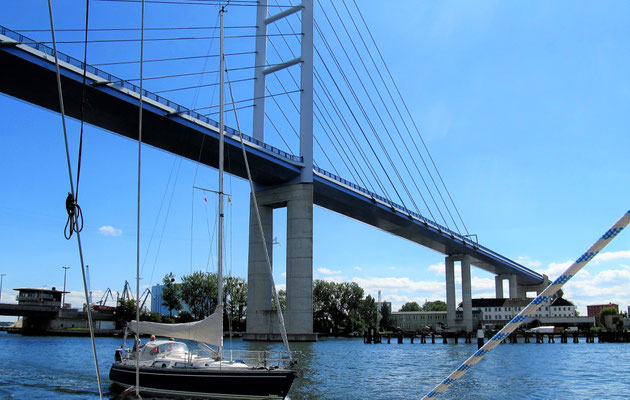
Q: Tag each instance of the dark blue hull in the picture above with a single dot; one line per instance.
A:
(200, 383)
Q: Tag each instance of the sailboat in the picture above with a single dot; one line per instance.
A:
(170, 368)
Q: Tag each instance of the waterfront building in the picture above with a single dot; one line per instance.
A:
(595, 309)
(43, 314)
(157, 305)
(413, 321)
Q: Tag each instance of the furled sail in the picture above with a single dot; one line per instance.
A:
(208, 330)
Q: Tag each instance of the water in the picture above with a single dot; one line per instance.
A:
(62, 368)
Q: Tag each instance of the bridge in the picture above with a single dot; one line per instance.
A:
(282, 179)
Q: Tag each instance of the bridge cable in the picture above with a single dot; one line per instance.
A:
(188, 2)
(72, 191)
(195, 73)
(203, 139)
(378, 92)
(344, 76)
(298, 110)
(245, 100)
(199, 86)
(351, 135)
(127, 40)
(405, 124)
(137, 29)
(409, 113)
(339, 115)
(173, 59)
(531, 308)
(385, 128)
(293, 102)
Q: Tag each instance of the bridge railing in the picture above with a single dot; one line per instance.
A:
(422, 219)
(234, 133)
(18, 37)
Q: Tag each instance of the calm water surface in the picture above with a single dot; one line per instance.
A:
(62, 368)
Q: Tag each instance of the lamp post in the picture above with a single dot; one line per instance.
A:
(63, 301)
(1, 279)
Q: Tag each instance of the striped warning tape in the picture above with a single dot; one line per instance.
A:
(531, 307)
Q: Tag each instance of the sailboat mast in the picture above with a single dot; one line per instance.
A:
(221, 151)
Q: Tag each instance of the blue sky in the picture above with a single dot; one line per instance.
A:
(522, 104)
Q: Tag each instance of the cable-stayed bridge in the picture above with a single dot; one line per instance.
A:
(283, 179)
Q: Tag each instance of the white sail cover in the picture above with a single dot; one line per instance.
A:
(208, 330)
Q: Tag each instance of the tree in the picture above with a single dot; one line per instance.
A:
(170, 294)
(604, 312)
(369, 312)
(386, 313)
(336, 306)
(125, 312)
(410, 306)
(282, 298)
(437, 305)
(323, 296)
(235, 290)
(199, 292)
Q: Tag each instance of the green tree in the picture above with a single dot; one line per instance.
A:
(386, 316)
(336, 306)
(437, 305)
(282, 297)
(323, 297)
(369, 312)
(235, 290)
(604, 312)
(125, 312)
(170, 294)
(410, 306)
(199, 292)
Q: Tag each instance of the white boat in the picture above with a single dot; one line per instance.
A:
(170, 368)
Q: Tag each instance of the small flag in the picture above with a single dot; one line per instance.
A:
(230, 200)
(205, 199)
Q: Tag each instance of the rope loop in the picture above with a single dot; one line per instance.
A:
(75, 217)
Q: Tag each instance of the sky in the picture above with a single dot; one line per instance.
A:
(523, 106)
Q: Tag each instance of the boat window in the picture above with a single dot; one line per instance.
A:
(151, 350)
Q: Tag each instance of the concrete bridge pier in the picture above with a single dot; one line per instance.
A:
(451, 297)
(516, 290)
(262, 322)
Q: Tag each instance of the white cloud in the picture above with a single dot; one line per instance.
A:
(326, 271)
(108, 230)
(392, 268)
(528, 262)
(555, 269)
(611, 256)
(479, 284)
(438, 268)
(357, 268)
(394, 284)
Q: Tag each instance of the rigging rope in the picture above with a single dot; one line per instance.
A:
(532, 307)
(283, 330)
(70, 202)
(141, 98)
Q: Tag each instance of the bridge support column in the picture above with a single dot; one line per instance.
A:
(466, 294)
(498, 285)
(450, 292)
(451, 298)
(513, 287)
(262, 323)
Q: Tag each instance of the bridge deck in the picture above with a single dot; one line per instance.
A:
(28, 73)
